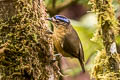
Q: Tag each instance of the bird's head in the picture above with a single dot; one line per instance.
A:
(59, 20)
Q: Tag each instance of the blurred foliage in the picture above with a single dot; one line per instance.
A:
(85, 2)
(88, 20)
(50, 2)
(118, 39)
(56, 6)
(57, 2)
(116, 4)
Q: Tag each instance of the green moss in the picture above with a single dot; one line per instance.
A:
(105, 12)
(26, 42)
(101, 69)
(106, 64)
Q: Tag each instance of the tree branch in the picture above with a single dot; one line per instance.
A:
(108, 62)
(29, 49)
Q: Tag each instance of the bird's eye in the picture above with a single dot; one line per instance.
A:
(57, 21)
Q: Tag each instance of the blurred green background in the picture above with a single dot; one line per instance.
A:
(85, 23)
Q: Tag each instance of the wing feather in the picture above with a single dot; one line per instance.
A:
(72, 44)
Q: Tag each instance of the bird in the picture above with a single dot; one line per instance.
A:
(66, 39)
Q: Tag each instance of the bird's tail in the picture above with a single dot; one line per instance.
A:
(82, 65)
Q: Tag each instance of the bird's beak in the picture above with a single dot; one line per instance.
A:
(49, 19)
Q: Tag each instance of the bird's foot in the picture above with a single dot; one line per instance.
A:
(58, 57)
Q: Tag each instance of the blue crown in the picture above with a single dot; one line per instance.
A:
(62, 18)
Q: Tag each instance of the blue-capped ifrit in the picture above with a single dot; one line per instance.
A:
(66, 39)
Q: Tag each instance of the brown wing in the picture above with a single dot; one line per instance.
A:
(72, 44)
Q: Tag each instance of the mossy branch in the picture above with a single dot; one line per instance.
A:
(108, 29)
(29, 48)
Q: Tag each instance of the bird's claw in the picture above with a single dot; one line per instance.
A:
(58, 57)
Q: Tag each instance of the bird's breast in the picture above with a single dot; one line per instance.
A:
(59, 33)
(58, 39)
